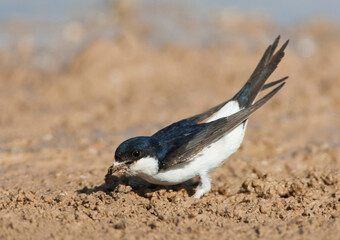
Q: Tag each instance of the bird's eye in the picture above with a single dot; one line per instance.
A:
(136, 153)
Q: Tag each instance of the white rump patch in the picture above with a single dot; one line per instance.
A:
(228, 109)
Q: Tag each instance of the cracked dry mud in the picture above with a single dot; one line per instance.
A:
(59, 131)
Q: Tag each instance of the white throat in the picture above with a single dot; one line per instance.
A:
(144, 167)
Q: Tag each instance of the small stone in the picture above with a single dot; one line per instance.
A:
(192, 214)
(153, 225)
(120, 225)
(265, 208)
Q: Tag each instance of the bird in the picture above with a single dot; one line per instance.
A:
(195, 146)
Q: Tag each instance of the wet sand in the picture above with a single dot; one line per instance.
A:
(59, 131)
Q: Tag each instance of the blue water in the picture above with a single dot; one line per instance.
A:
(45, 10)
(283, 12)
(44, 20)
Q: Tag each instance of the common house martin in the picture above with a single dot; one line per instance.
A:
(197, 145)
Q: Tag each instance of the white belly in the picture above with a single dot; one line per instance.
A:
(207, 160)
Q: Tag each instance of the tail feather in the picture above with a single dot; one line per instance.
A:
(271, 84)
(263, 70)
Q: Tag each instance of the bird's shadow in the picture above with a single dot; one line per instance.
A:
(113, 184)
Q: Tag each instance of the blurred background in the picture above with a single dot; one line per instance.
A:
(50, 33)
(78, 72)
(75, 73)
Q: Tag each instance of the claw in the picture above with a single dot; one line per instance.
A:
(196, 195)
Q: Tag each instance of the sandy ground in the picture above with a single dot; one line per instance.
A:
(59, 131)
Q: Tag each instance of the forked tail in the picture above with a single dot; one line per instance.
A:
(268, 63)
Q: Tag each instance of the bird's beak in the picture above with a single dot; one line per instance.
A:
(116, 166)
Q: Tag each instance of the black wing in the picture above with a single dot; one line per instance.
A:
(184, 142)
(183, 139)
(173, 137)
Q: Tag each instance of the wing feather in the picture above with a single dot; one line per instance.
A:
(211, 132)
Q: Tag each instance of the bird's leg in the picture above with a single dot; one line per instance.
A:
(204, 185)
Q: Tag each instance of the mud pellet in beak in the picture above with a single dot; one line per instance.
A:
(115, 167)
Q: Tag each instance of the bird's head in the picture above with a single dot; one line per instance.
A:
(133, 150)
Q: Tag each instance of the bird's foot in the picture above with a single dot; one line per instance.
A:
(197, 195)
(203, 187)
